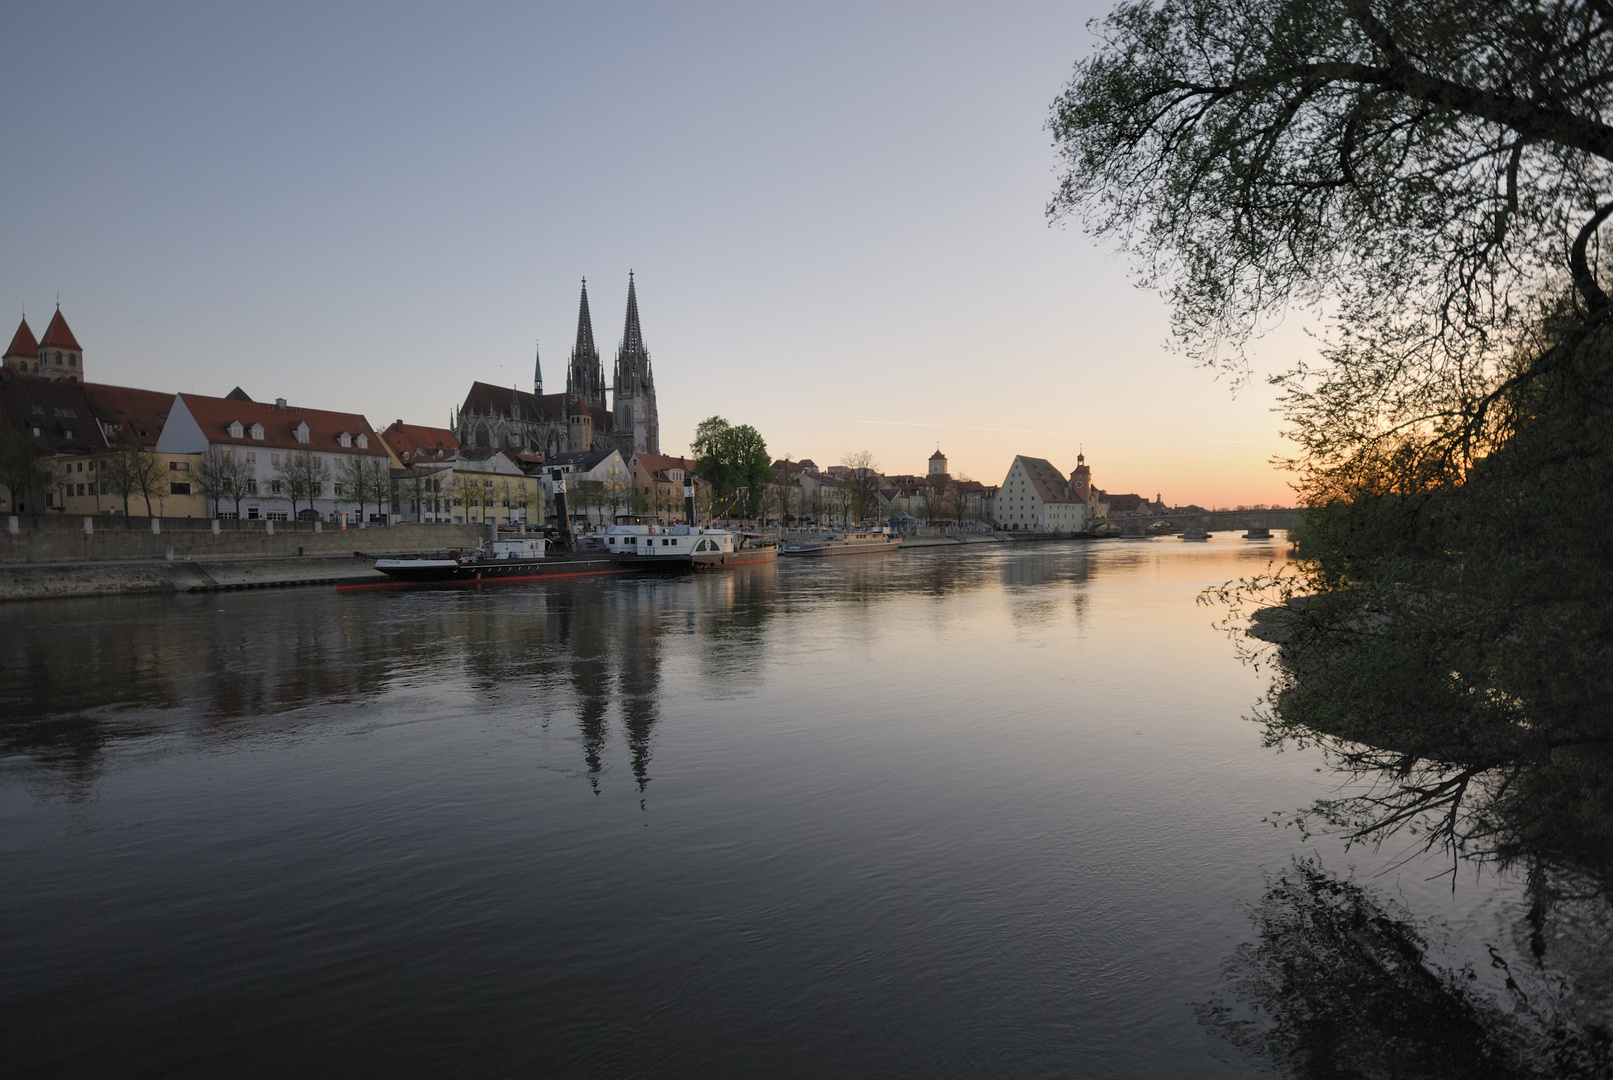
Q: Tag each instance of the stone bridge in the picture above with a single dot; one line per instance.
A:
(1209, 521)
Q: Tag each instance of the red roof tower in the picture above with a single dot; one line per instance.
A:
(60, 354)
(23, 352)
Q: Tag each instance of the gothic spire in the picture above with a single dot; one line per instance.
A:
(537, 371)
(586, 376)
(585, 326)
(632, 336)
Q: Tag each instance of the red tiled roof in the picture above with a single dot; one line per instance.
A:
(58, 336)
(215, 415)
(125, 412)
(416, 441)
(654, 463)
(1050, 484)
(1125, 504)
(23, 343)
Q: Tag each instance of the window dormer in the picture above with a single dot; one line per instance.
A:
(301, 431)
(236, 430)
(257, 431)
(344, 438)
(363, 441)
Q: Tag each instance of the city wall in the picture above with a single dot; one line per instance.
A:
(61, 539)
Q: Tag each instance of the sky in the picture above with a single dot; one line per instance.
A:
(835, 215)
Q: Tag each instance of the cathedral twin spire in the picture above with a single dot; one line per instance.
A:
(636, 426)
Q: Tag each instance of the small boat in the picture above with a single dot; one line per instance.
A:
(519, 559)
(684, 547)
(1257, 532)
(860, 542)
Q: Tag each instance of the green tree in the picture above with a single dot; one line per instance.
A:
(735, 462)
(1429, 179)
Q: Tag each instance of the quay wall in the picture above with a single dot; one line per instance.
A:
(46, 581)
(60, 539)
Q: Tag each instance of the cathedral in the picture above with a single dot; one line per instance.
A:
(499, 418)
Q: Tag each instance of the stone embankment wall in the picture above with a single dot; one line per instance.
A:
(53, 557)
(57, 539)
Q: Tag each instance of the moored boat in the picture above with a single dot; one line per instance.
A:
(854, 542)
(673, 548)
(523, 558)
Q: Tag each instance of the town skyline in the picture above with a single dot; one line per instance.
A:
(836, 222)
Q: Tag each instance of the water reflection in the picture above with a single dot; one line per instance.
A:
(1341, 982)
(945, 814)
(82, 675)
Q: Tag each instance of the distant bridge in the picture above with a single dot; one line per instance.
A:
(1208, 520)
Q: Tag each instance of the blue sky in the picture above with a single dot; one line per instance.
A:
(835, 214)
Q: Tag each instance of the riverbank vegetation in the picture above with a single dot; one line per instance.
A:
(1428, 185)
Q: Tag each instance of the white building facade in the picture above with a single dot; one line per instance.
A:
(1036, 497)
(268, 441)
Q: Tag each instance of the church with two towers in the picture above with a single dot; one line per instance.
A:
(507, 418)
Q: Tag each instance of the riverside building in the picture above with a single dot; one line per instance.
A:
(1036, 497)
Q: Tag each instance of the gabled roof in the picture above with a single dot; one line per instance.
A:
(23, 343)
(1049, 484)
(58, 336)
(214, 416)
(654, 463)
(128, 413)
(416, 442)
(238, 395)
(1125, 504)
(580, 460)
(938, 454)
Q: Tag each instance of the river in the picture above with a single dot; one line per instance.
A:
(978, 813)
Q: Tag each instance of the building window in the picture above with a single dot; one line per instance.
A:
(274, 459)
(251, 457)
(178, 488)
(252, 487)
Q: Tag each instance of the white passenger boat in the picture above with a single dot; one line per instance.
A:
(684, 547)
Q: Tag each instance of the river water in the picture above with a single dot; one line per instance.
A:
(929, 814)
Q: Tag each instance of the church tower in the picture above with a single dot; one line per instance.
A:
(60, 354)
(1081, 481)
(23, 353)
(638, 429)
(586, 377)
(537, 372)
